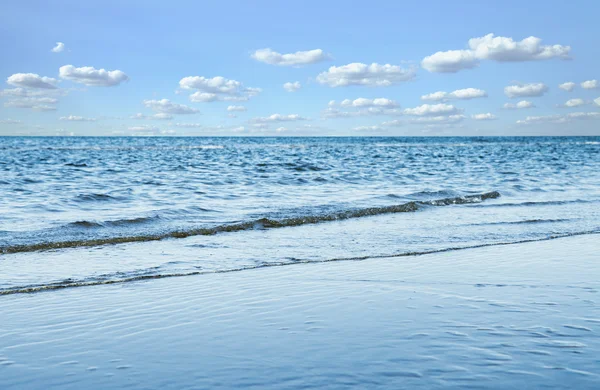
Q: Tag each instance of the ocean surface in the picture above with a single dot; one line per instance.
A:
(79, 211)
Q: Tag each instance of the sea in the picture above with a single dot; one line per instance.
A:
(81, 211)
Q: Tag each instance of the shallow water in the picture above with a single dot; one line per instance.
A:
(80, 211)
(516, 316)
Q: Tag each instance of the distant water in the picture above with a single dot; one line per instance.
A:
(84, 210)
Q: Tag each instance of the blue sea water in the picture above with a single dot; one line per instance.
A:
(95, 208)
(226, 262)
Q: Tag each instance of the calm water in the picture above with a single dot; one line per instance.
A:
(78, 211)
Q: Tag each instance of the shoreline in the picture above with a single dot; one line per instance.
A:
(493, 317)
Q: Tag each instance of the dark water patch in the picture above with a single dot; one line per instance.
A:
(96, 198)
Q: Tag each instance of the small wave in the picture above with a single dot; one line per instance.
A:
(141, 275)
(76, 165)
(261, 223)
(95, 198)
(118, 222)
(523, 222)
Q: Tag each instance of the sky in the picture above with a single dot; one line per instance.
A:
(299, 68)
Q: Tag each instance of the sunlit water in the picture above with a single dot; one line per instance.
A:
(78, 211)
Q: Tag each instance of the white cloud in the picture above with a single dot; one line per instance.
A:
(58, 48)
(189, 125)
(333, 112)
(292, 87)
(203, 97)
(468, 93)
(568, 86)
(145, 128)
(590, 84)
(9, 121)
(450, 61)
(278, 118)
(574, 103)
(374, 75)
(159, 116)
(35, 103)
(393, 123)
(432, 110)
(76, 118)
(31, 80)
(584, 115)
(542, 119)
(236, 108)
(367, 128)
(490, 47)
(363, 102)
(484, 117)
(90, 76)
(462, 94)
(165, 106)
(281, 129)
(439, 119)
(559, 118)
(271, 57)
(435, 96)
(523, 90)
(597, 101)
(216, 89)
(520, 105)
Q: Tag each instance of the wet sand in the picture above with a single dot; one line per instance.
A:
(515, 316)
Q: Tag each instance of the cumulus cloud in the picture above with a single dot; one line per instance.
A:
(236, 108)
(450, 61)
(432, 110)
(542, 119)
(35, 103)
(292, 87)
(363, 102)
(76, 118)
(590, 84)
(271, 57)
(559, 118)
(584, 115)
(189, 125)
(439, 119)
(90, 76)
(568, 86)
(597, 101)
(374, 75)
(216, 89)
(484, 117)
(468, 93)
(367, 128)
(525, 90)
(574, 103)
(435, 96)
(145, 129)
(165, 106)
(462, 94)
(334, 112)
(278, 118)
(31, 80)
(393, 123)
(494, 48)
(58, 48)
(158, 116)
(520, 105)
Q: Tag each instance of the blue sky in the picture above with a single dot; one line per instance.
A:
(119, 59)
